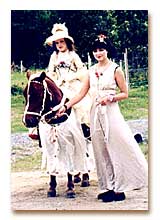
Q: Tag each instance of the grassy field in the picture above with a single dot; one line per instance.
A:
(18, 82)
(135, 107)
(28, 163)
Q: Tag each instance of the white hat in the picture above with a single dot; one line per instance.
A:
(59, 31)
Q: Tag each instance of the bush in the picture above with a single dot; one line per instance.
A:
(16, 90)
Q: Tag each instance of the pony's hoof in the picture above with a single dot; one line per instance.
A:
(51, 193)
(119, 196)
(70, 194)
(77, 179)
(85, 183)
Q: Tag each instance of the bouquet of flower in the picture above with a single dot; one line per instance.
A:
(62, 64)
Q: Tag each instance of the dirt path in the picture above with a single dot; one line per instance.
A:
(29, 189)
(28, 192)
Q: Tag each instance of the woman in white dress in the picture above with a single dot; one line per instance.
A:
(67, 70)
(120, 163)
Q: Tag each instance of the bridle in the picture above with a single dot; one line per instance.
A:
(28, 99)
(40, 113)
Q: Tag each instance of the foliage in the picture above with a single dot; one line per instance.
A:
(138, 77)
(15, 90)
(126, 28)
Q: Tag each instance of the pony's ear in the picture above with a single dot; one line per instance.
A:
(28, 74)
(42, 76)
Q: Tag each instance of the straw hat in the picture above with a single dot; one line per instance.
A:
(58, 31)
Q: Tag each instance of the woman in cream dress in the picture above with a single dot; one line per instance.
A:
(120, 163)
(67, 70)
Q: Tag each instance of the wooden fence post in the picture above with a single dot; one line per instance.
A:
(120, 64)
(21, 65)
(126, 67)
(89, 60)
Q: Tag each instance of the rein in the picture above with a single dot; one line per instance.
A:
(55, 108)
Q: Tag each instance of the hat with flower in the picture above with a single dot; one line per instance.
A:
(102, 41)
(59, 31)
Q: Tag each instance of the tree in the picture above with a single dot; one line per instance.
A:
(30, 28)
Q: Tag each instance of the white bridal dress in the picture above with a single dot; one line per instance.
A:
(121, 165)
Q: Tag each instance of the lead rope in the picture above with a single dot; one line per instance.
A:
(54, 117)
(55, 108)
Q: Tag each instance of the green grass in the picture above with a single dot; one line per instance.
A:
(27, 163)
(144, 148)
(135, 107)
(33, 162)
(17, 109)
(18, 79)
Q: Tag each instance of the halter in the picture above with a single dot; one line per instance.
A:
(44, 98)
(55, 108)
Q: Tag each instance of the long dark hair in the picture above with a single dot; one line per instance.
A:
(106, 44)
(69, 43)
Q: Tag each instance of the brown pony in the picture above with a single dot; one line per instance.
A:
(43, 99)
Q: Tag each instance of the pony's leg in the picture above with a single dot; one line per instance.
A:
(39, 137)
(52, 189)
(77, 178)
(85, 180)
(70, 193)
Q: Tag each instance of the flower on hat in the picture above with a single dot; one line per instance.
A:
(59, 27)
(101, 37)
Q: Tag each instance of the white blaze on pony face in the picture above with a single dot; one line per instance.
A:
(43, 99)
(36, 95)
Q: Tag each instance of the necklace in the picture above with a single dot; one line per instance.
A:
(99, 71)
(102, 68)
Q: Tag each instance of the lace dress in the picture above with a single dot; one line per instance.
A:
(65, 148)
(67, 70)
(120, 163)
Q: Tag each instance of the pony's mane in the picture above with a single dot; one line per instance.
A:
(52, 87)
(54, 90)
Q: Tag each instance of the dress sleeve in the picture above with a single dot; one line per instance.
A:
(78, 62)
(79, 66)
(51, 67)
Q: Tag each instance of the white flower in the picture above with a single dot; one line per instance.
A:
(59, 27)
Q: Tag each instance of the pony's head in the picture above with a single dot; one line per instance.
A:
(43, 98)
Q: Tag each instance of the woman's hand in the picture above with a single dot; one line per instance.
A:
(105, 100)
(61, 111)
